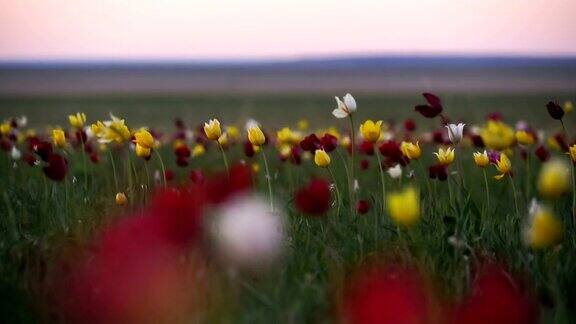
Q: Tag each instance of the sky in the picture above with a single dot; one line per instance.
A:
(273, 29)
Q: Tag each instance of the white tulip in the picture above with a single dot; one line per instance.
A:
(395, 172)
(455, 132)
(345, 107)
(247, 234)
(15, 154)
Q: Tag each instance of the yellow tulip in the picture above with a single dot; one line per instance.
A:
(321, 158)
(544, 229)
(525, 138)
(572, 152)
(445, 157)
(98, 128)
(144, 139)
(233, 133)
(212, 129)
(371, 130)
(255, 167)
(497, 135)
(410, 150)
(553, 180)
(285, 151)
(59, 138)
(198, 150)
(143, 152)
(115, 131)
(287, 136)
(481, 159)
(346, 142)
(404, 206)
(568, 106)
(256, 136)
(303, 124)
(5, 128)
(223, 139)
(121, 199)
(503, 165)
(77, 121)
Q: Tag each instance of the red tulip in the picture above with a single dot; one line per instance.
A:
(56, 168)
(362, 207)
(329, 142)
(182, 151)
(496, 298)
(367, 148)
(197, 176)
(314, 198)
(438, 171)
(169, 174)
(182, 161)
(432, 109)
(542, 153)
(555, 110)
(249, 149)
(409, 125)
(392, 294)
(43, 149)
(364, 164)
(311, 143)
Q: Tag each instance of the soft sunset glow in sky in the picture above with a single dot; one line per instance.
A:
(240, 29)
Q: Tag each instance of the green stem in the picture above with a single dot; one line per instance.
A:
(515, 198)
(382, 181)
(84, 162)
(487, 188)
(427, 182)
(338, 198)
(225, 159)
(269, 179)
(347, 174)
(352, 149)
(113, 168)
(162, 166)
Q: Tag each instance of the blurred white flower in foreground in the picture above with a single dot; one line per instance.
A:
(247, 234)
(345, 107)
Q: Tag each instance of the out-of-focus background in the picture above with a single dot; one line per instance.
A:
(153, 60)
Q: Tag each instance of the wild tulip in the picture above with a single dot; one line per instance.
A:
(143, 152)
(409, 125)
(503, 166)
(404, 206)
(432, 109)
(287, 136)
(362, 207)
(568, 106)
(543, 229)
(554, 110)
(481, 159)
(455, 132)
(554, 179)
(445, 157)
(59, 138)
(572, 153)
(256, 136)
(371, 131)
(321, 158)
(56, 168)
(438, 171)
(314, 198)
(329, 142)
(496, 135)
(120, 199)
(223, 140)
(410, 150)
(303, 124)
(525, 138)
(77, 121)
(395, 172)
(345, 107)
(212, 129)
(198, 150)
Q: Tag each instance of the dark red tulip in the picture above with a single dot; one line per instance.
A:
(432, 109)
(367, 148)
(223, 186)
(5, 144)
(438, 171)
(311, 143)
(410, 125)
(249, 149)
(169, 174)
(362, 207)
(495, 116)
(555, 110)
(561, 140)
(197, 176)
(296, 157)
(81, 136)
(314, 198)
(329, 142)
(392, 154)
(182, 161)
(542, 153)
(364, 164)
(94, 157)
(56, 168)
(393, 294)
(43, 149)
(29, 158)
(496, 298)
(477, 140)
(182, 151)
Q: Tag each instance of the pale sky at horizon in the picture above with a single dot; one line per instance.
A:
(253, 29)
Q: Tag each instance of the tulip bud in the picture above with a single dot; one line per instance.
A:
(555, 110)
(121, 199)
(321, 158)
(212, 129)
(256, 136)
(481, 159)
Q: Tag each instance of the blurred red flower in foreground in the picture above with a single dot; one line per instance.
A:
(314, 198)
(56, 168)
(389, 294)
(432, 109)
(496, 298)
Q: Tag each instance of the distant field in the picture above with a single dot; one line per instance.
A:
(271, 110)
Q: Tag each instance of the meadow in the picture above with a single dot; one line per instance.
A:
(467, 248)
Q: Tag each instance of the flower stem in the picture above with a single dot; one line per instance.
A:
(382, 182)
(113, 168)
(162, 166)
(427, 181)
(574, 195)
(352, 149)
(347, 174)
(515, 198)
(269, 179)
(487, 188)
(225, 159)
(84, 162)
(338, 197)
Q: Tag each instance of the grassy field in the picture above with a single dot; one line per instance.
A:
(43, 222)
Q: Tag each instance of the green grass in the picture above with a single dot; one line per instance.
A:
(41, 220)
